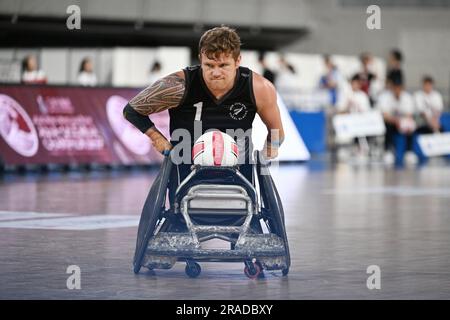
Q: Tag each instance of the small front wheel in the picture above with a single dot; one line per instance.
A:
(193, 269)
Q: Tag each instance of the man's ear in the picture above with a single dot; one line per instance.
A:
(238, 61)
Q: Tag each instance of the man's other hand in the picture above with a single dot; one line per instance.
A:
(270, 151)
(159, 142)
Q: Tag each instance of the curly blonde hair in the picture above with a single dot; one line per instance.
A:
(220, 40)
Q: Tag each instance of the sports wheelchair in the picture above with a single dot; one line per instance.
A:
(213, 203)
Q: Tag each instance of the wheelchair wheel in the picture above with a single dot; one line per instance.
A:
(151, 212)
(273, 204)
(192, 269)
(285, 271)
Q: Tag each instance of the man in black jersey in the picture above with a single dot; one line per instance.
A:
(217, 94)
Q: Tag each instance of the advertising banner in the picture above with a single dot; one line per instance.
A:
(52, 124)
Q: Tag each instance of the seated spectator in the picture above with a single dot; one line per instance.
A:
(429, 106)
(86, 75)
(31, 73)
(355, 99)
(397, 107)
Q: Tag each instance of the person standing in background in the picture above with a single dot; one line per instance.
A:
(266, 72)
(366, 76)
(86, 75)
(155, 72)
(31, 73)
(332, 80)
(395, 60)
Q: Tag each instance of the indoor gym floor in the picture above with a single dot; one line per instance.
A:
(340, 220)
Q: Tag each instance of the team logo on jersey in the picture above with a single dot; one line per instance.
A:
(238, 111)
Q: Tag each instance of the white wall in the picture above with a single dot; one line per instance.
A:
(131, 66)
(55, 63)
(118, 67)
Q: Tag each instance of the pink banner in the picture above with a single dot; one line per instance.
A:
(52, 124)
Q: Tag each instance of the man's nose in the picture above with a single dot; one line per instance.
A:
(216, 72)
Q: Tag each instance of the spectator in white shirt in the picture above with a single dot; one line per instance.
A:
(354, 100)
(429, 106)
(397, 107)
(31, 73)
(86, 75)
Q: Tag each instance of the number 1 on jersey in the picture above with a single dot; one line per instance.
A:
(198, 113)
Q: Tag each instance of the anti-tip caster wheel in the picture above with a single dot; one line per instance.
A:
(193, 269)
(253, 270)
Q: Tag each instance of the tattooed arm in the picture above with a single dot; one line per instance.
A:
(164, 94)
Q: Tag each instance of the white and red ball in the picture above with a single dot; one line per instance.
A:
(215, 148)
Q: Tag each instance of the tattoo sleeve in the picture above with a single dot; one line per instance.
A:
(164, 94)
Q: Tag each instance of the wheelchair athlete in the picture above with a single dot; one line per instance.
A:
(220, 95)
(217, 94)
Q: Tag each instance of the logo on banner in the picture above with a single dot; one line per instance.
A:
(16, 127)
(131, 137)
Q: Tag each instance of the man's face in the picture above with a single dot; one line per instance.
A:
(219, 74)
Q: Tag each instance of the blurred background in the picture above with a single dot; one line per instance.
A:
(309, 49)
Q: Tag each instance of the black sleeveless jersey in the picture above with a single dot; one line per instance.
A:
(235, 110)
